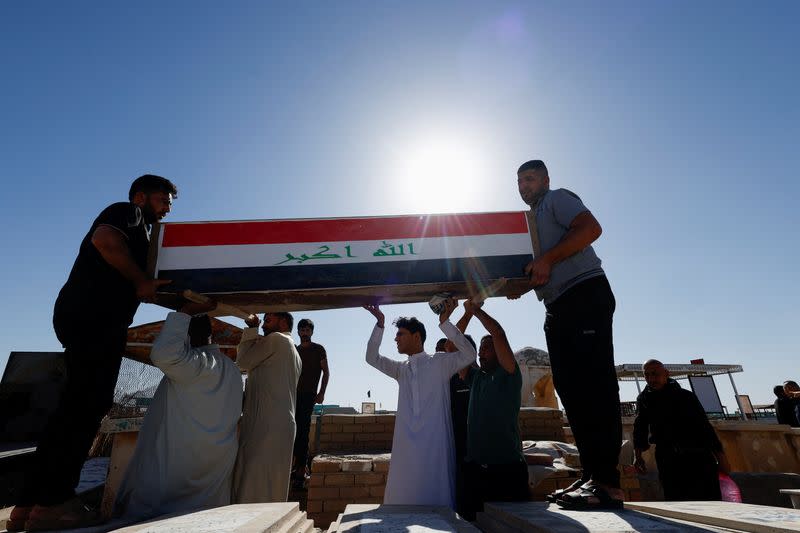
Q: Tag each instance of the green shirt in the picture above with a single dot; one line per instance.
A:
(493, 419)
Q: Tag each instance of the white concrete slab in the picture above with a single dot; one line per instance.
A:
(742, 516)
(243, 518)
(363, 518)
(540, 517)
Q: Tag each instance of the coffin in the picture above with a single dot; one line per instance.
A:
(291, 265)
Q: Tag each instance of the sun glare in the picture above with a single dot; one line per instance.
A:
(439, 176)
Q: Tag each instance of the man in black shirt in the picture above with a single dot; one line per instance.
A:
(315, 363)
(689, 454)
(91, 318)
(784, 407)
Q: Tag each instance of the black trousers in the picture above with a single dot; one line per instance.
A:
(688, 475)
(493, 483)
(302, 419)
(579, 338)
(93, 357)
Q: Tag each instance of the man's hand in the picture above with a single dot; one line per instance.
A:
(320, 398)
(252, 321)
(471, 308)
(377, 313)
(639, 464)
(538, 271)
(146, 289)
(449, 306)
(195, 308)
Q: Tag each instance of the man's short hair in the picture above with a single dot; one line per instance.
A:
(286, 316)
(779, 392)
(200, 327)
(150, 183)
(533, 164)
(412, 325)
(305, 323)
(440, 343)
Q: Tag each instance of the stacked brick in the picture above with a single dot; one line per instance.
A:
(373, 433)
(337, 481)
(355, 433)
(541, 423)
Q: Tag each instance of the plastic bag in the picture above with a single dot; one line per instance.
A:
(729, 489)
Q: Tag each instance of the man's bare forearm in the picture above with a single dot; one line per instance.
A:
(505, 355)
(115, 251)
(463, 322)
(583, 231)
(324, 385)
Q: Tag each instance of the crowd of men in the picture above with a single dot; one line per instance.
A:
(205, 443)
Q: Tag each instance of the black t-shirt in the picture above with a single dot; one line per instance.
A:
(95, 291)
(311, 357)
(785, 411)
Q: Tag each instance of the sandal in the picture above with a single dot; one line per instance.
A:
(16, 521)
(71, 514)
(556, 495)
(590, 498)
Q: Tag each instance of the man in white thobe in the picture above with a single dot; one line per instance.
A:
(422, 468)
(186, 449)
(268, 428)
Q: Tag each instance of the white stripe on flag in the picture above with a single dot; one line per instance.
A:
(329, 253)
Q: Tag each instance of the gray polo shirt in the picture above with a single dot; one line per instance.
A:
(554, 213)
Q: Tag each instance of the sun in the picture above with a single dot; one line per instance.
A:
(439, 175)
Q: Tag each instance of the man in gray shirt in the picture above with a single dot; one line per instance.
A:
(567, 276)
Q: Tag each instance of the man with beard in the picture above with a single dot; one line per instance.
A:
(688, 452)
(566, 275)
(495, 469)
(91, 318)
(315, 362)
(267, 433)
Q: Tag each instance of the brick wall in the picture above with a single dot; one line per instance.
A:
(354, 433)
(337, 481)
(541, 423)
(373, 433)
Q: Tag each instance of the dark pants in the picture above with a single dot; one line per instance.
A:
(302, 419)
(688, 475)
(461, 489)
(93, 356)
(493, 483)
(579, 339)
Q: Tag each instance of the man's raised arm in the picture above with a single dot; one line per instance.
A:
(505, 356)
(465, 355)
(172, 352)
(253, 349)
(388, 366)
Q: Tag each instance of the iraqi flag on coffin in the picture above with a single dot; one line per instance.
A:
(271, 265)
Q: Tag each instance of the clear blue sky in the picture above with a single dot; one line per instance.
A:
(676, 122)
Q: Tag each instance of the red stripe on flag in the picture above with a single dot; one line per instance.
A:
(341, 229)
